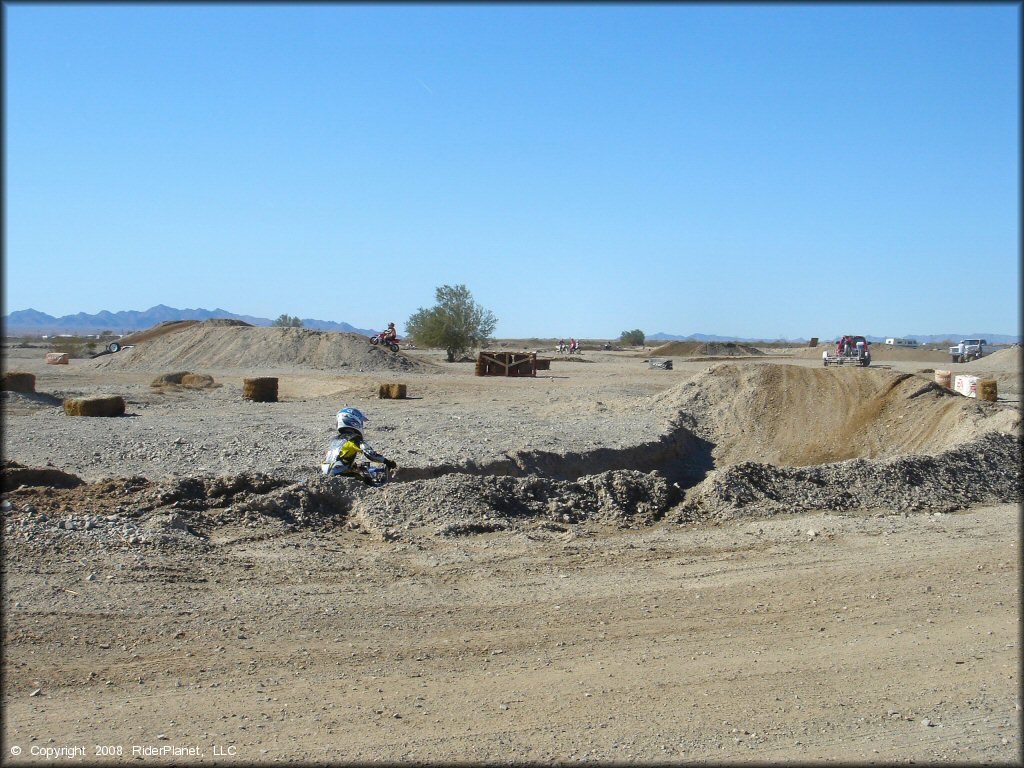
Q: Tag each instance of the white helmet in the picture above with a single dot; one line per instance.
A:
(351, 418)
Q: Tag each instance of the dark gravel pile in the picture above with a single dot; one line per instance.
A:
(458, 504)
(986, 470)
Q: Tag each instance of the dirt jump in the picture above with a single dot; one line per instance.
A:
(706, 349)
(239, 346)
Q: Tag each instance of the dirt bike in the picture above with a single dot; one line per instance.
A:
(371, 473)
(391, 344)
(376, 474)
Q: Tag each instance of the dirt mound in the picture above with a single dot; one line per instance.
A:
(455, 505)
(984, 471)
(796, 416)
(230, 344)
(880, 353)
(15, 475)
(27, 402)
(705, 349)
(59, 510)
(1005, 360)
(161, 329)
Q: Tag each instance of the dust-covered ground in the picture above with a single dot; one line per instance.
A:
(748, 560)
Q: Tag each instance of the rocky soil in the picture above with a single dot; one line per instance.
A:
(738, 561)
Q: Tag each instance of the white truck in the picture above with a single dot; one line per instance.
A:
(967, 349)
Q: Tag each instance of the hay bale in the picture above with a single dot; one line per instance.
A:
(391, 392)
(196, 381)
(169, 378)
(986, 389)
(16, 381)
(94, 406)
(260, 390)
(944, 378)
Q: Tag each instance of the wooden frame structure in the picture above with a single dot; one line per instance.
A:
(506, 364)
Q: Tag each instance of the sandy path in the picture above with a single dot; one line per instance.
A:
(885, 638)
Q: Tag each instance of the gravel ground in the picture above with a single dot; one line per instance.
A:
(724, 562)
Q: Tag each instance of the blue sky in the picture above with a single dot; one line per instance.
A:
(747, 170)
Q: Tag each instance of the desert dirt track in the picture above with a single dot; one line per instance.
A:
(752, 560)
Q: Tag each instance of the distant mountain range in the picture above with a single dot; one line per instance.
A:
(934, 338)
(30, 321)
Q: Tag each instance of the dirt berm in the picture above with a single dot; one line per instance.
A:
(705, 349)
(788, 439)
(796, 416)
(212, 345)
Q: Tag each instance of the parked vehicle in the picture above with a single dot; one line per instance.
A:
(901, 342)
(967, 349)
(850, 350)
(391, 344)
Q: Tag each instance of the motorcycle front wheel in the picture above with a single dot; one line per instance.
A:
(374, 340)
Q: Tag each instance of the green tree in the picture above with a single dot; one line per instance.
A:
(287, 321)
(455, 324)
(634, 338)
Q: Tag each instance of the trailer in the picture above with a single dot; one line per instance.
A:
(894, 342)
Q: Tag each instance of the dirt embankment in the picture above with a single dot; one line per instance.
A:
(1006, 359)
(212, 345)
(796, 416)
(705, 349)
(781, 439)
(161, 329)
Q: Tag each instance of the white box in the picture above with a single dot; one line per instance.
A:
(966, 385)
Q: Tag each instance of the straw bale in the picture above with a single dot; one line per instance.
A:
(944, 378)
(95, 406)
(260, 390)
(197, 381)
(169, 378)
(16, 381)
(391, 391)
(986, 389)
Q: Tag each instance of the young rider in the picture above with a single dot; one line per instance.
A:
(390, 334)
(343, 450)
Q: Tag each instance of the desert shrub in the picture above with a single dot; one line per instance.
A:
(634, 338)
